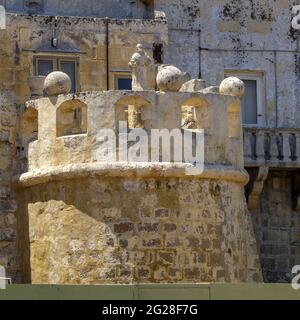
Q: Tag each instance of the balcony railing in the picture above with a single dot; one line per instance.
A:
(278, 147)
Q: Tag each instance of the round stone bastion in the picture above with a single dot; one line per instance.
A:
(89, 221)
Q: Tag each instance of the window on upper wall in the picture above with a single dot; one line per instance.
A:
(123, 82)
(252, 102)
(46, 65)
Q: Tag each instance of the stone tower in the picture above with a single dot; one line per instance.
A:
(86, 218)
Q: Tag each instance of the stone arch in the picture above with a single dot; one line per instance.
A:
(30, 125)
(71, 118)
(133, 109)
(194, 113)
(29, 133)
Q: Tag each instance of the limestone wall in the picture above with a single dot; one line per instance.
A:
(8, 157)
(239, 35)
(121, 9)
(253, 37)
(124, 230)
(27, 37)
(8, 204)
(277, 226)
(233, 35)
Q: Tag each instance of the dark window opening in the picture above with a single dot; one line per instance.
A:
(158, 52)
(44, 66)
(123, 83)
(69, 67)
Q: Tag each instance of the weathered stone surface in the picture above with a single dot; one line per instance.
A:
(70, 241)
(233, 86)
(157, 111)
(22, 41)
(170, 78)
(56, 83)
(121, 9)
(277, 228)
(193, 85)
(211, 89)
(234, 37)
(36, 85)
(122, 222)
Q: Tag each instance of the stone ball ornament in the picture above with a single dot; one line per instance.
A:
(233, 86)
(56, 83)
(170, 78)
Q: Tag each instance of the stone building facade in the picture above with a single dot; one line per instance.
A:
(250, 39)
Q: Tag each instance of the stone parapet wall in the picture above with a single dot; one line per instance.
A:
(218, 115)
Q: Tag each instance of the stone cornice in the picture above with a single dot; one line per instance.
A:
(122, 169)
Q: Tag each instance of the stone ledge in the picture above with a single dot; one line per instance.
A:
(273, 164)
(122, 169)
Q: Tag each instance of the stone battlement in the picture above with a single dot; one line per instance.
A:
(68, 125)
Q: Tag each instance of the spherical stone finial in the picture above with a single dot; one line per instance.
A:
(233, 86)
(170, 78)
(56, 83)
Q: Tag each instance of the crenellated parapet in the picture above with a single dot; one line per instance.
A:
(69, 125)
(138, 186)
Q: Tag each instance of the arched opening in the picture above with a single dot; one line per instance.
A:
(30, 125)
(29, 133)
(194, 119)
(71, 118)
(134, 110)
(194, 113)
